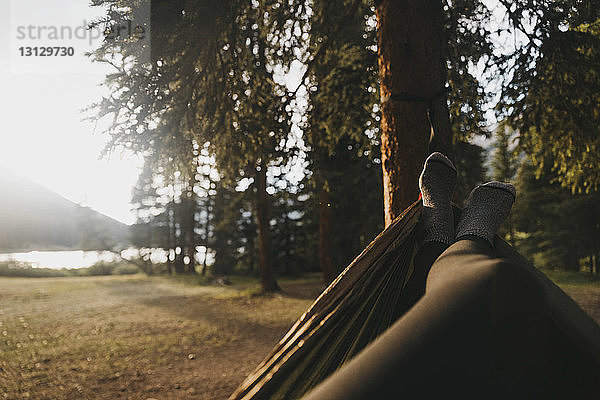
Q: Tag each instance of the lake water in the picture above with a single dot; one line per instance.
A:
(60, 259)
(84, 259)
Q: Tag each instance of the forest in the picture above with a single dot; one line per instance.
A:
(260, 124)
(294, 231)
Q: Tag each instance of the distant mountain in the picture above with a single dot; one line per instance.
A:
(33, 217)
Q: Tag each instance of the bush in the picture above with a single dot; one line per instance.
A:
(101, 268)
(25, 270)
(126, 269)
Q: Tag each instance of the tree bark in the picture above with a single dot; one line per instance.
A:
(179, 264)
(571, 261)
(172, 234)
(191, 206)
(207, 225)
(179, 241)
(412, 75)
(191, 238)
(329, 272)
(267, 277)
(251, 255)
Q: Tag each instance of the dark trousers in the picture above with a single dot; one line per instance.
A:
(476, 326)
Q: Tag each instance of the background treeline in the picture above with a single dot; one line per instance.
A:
(554, 226)
(26, 270)
(258, 121)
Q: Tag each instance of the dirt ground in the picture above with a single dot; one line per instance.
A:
(147, 338)
(588, 298)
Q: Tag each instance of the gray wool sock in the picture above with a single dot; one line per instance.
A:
(486, 208)
(437, 184)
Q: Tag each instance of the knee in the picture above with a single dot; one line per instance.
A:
(514, 291)
(507, 287)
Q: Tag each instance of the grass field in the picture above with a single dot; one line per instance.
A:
(134, 337)
(583, 288)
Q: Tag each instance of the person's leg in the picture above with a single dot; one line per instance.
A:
(531, 356)
(444, 344)
(415, 287)
(512, 315)
(436, 228)
(480, 331)
(456, 340)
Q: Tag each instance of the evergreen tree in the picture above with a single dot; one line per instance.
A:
(209, 81)
(556, 227)
(154, 218)
(294, 252)
(356, 201)
(225, 233)
(342, 87)
(469, 160)
(551, 86)
(505, 165)
(504, 161)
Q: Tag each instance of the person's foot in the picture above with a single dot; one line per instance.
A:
(437, 184)
(486, 208)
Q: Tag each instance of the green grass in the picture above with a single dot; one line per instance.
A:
(572, 279)
(584, 288)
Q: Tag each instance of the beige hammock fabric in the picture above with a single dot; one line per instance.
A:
(362, 303)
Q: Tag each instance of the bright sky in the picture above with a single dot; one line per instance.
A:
(42, 135)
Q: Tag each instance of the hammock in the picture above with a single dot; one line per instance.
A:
(362, 302)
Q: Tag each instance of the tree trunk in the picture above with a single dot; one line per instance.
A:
(172, 234)
(412, 84)
(191, 205)
(179, 241)
(251, 253)
(267, 277)
(207, 227)
(206, 239)
(170, 269)
(179, 264)
(329, 272)
(571, 261)
(191, 252)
